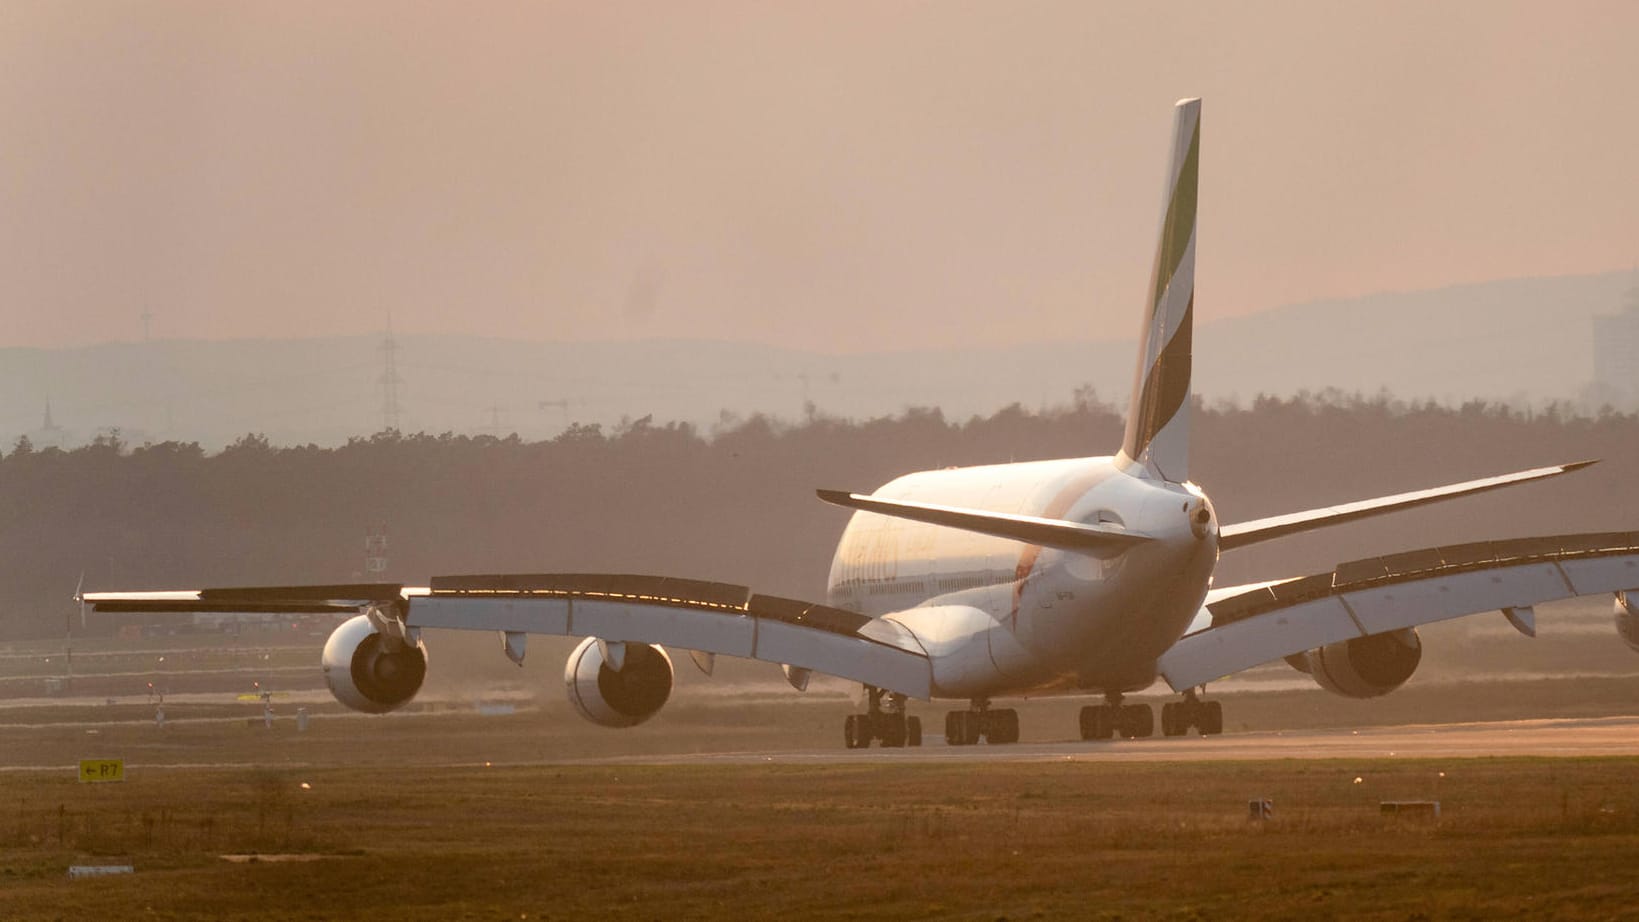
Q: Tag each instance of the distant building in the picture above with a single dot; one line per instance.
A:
(1616, 357)
(49, 435)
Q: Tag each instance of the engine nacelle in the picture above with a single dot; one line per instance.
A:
(623, 697)
(1366, 667)
(1627, 618)
(366, 672)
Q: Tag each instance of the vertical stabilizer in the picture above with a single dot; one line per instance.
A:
(1158, 420)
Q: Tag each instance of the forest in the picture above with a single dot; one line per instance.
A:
(736, 503)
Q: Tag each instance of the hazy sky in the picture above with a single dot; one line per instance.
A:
(839, 176)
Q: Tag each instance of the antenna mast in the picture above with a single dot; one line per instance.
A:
(392, 415)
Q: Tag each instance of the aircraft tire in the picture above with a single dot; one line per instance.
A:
(1098, 722)
(913, 731)
(1002, 726)
(893, 731)
(1093, 723)
(1137, 721)
(1168, 719)
(1212, 718)
(855, 732)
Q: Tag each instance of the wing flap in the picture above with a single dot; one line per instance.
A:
(323, 599)
(1212, 654)
(221, 607)
(1590, 576)
(1365, 597)
(1402, 605)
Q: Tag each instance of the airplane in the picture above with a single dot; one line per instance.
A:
(1087, 576)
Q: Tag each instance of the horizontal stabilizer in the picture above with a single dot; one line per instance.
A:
(1098, 540)
(1244, 533)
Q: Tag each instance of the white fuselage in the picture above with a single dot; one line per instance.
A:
(998, 616)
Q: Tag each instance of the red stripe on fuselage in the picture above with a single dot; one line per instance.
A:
(1056, 509)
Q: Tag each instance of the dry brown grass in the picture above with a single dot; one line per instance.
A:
(1545, 838)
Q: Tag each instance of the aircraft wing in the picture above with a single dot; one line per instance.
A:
(694, 615)
(1245, 626)
(1243, 533)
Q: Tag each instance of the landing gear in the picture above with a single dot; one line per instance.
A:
(883, 720)
(962, 728)
(1102, 721)
(965, 728)
(1206, 716)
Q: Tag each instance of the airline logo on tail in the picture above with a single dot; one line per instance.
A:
(1158, 421)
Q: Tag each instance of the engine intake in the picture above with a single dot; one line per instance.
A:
(1366, 667)
(623, 697)
(369, 672)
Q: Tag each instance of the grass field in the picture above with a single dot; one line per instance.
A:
(1517, 838)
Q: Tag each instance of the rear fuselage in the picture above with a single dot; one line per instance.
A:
(1001, 617)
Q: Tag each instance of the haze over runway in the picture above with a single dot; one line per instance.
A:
(836, 178)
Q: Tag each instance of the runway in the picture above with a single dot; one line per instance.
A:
(1606, 736)
(1548, 738)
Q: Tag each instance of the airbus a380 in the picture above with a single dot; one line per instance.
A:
(1081, 576)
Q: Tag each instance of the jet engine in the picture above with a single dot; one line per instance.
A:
(1627, 618)
(369, 671)
(1366, 667)
(617, 684)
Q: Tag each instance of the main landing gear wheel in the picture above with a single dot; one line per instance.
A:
(883, 720)
(1179, 717)
(1131, 721)
(965, 728)
(961, 728)
(855, 733)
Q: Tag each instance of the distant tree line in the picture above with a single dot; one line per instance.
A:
(736, 503)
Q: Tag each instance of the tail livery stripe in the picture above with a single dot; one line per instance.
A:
(1178, 230)
(1157, 434)
(1166, 388)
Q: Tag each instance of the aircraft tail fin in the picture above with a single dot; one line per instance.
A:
(1157, 436)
